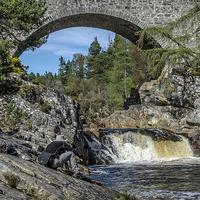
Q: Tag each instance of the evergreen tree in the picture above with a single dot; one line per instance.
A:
(92, 59)
(139, 66)
(181, 43)
(68, 69)
(121, 74)
(63, 71)
(101, 63)
(95, 47)
(79, 65)
(18, 16)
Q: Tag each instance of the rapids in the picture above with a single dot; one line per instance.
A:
(147, 163)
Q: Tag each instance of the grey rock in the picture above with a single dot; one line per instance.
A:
(171, 102)
(38, 181)
(45, 113)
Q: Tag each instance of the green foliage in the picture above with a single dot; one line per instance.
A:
(93, 59)
(45, 107)
(12, 179)
(48, 79)
(14, 114)
(119, 74)
(95, 47)
(181, 39)
(20, 15)
(64, 70)
(78, 66)
(116, 100)
(17, 16)
(5, 60)
(72, 86)
(127, 197)
(90, 106)
(103, 78)
(27, 91)
(8, 86)
(10, 64)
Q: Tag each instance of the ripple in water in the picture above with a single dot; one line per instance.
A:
(161, 179)
(150, 164)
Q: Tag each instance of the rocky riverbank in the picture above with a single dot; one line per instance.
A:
(171, 102)
(22, 179)
(30, 118)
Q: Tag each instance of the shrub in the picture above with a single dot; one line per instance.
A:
(12, 64)
(45, 107)
(15, 114)
(12, 179)
(126, 197)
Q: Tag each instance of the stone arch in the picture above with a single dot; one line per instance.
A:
(115, 21)
(124, 17)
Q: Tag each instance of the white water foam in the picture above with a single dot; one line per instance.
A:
(135, 147)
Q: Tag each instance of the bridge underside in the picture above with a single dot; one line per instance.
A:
(118, 25)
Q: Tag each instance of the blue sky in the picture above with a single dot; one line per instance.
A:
(64, 43)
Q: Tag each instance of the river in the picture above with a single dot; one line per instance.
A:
(149, 167)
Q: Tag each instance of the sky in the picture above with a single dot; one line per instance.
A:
(63, 43)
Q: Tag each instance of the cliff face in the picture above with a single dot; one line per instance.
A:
(171, 102)
(37, 114)
(29, 120)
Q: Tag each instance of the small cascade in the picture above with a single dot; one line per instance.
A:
(117, 146)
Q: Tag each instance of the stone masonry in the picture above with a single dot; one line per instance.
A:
(124, 17)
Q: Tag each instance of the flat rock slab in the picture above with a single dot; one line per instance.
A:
(31, 180)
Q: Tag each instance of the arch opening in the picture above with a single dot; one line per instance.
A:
(115, 24)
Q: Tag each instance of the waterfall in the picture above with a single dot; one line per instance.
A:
(117, 146)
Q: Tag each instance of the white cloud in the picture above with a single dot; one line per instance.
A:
(81, 36)
(64, 43)
(75, 38)
(63, 52)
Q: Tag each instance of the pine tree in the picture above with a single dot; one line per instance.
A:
(18, 17)
(22, 16)
(79, 65)
(181, 43)
(63, 71)
(94, 51)
(121, 74)
(138, 66)
(95, 47)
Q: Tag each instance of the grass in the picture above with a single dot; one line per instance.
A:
(126, 197)
(12, 179)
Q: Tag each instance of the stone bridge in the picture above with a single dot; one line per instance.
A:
(124, 17)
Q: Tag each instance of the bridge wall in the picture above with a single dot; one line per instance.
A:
(124, 17)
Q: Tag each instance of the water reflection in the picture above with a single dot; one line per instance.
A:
(164, 179)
